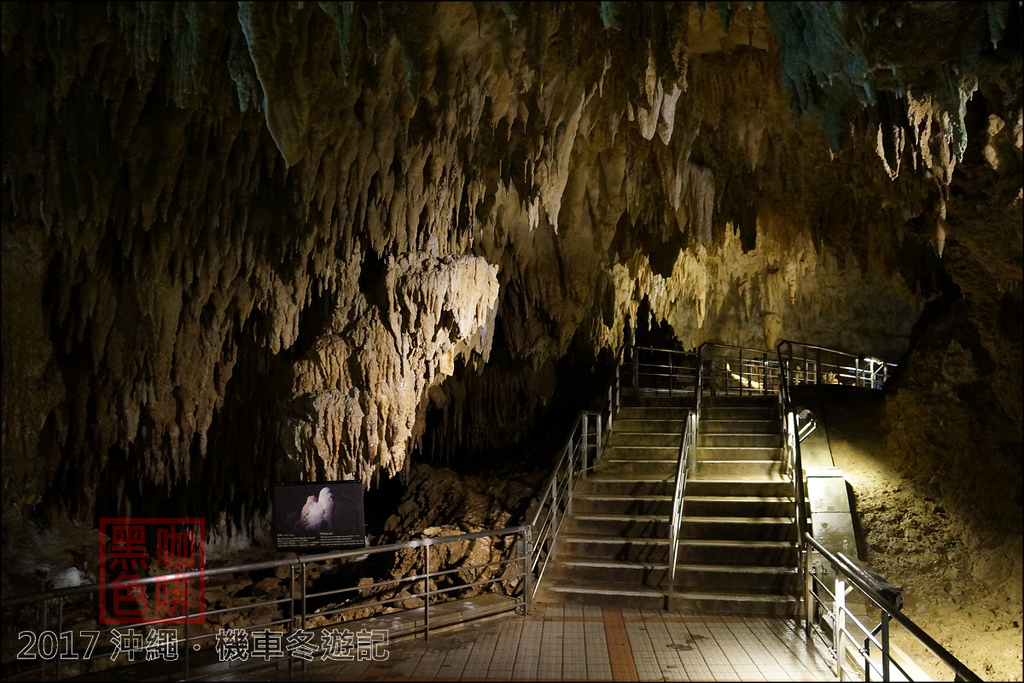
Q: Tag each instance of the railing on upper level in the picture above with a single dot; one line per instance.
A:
(666, 372)
(829, 608)
(728, 370)
(799, 363)
(810, 364)
(687, 459)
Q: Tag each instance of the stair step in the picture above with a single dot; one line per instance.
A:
(738, 596)
(611, 587)
(739, 528)
(624, 438)
(740, 439)
(595, 563)
(641, 449)
(739, 469)
(652, 413)
(740, 413)
(673, 402)
(738, 453)
(736, 602)
(627, 485)
(782, 581)
(640, 505)
(624, 526)
(738, 520)
(738, 552)
(621, 518)
(588, 570)
(666, 470)
(737, 569)
(740, 401)
(650, 425)
(605, 539)
(739, 499)
(728, 487)
(749, 506)
(714, 426)
(609, 594)
(614, 547)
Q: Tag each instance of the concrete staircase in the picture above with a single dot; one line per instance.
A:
(614, 547)
(738, 537)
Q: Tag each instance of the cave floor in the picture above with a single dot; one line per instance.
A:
(583, 642)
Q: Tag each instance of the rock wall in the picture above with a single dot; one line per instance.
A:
(246, 242)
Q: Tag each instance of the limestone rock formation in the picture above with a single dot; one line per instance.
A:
(252, 242)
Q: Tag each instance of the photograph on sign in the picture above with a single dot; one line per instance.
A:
(320, 516)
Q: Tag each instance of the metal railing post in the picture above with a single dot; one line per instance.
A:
(764, 374)
(741, 371)
(671, 373)
(597, 449)
(586, 447)
(527, 564)
(810, 602)
(885, 646)
(568, 476)
(426, 592)
(636, 371)
(291, 598)
(611, 403)
(302, 618)
(188, 649)
(839, 625)
(554, 517)
(618, 392)
(867, 659)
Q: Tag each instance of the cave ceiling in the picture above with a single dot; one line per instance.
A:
(255, 241)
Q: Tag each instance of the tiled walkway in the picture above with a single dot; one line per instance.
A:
(575, 642)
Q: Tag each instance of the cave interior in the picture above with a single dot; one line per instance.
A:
(253, 243)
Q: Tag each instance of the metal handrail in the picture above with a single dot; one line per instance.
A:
(761, 370)
(794, 463)
(677, 352)
(573, 464)
(864, 371)
(843, 566)
(645, 370)
(297, 563)
(687, 445)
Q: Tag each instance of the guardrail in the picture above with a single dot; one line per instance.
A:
(61, 613)
(574, 462)
(794, 465)
(810, 364)
(534, 544)
(662, 371)
(687, 457)
(849, 576)
(730, 370)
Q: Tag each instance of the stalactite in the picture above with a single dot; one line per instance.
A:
(184, 182)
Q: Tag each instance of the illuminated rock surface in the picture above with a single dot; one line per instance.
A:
(255, 242)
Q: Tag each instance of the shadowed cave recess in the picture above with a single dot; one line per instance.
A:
(250, 243)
